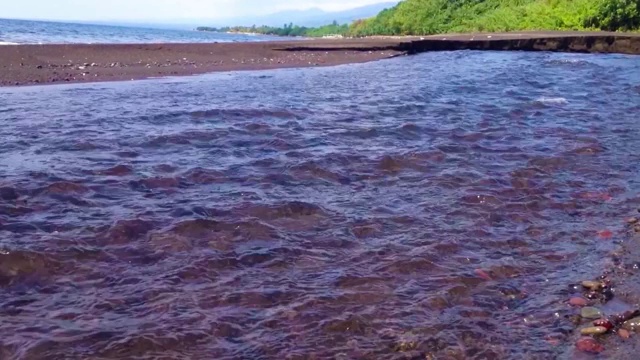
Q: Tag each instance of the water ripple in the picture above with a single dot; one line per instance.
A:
(435, 206)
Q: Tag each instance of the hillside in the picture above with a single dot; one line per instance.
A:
(424, 17)
(309, 17)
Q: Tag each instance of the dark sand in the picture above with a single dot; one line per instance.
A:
(47, 64)
(44, 64)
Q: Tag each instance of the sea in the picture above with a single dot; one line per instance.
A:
(437, 206)
(48, 32)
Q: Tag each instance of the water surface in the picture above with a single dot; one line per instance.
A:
(48, 32)
(437, 205)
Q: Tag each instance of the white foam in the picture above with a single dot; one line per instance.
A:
(7, 43)
(553, 100)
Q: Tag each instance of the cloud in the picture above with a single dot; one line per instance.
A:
(163, 9)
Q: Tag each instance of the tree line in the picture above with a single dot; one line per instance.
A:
(427, 17)
(286, 30)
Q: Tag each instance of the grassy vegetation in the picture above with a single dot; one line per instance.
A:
(426, 17)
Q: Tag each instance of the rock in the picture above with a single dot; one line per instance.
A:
(591, 313)
(589, 345)
(593, 295)
(592, 285)
(632, 325)
(578, 301)
(625, 334)
(604, 323)
(619, 319)
(632, 220)
(594, 330)
(607, 295)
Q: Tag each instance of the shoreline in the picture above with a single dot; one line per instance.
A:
(75, 63)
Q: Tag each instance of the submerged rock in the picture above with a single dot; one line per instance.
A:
(619, 319)
(632, 325)
(625, 334)
(592, 285)
(606, 323)
(589, 345)
(591, 313)
(577, 301)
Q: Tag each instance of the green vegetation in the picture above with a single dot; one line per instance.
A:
(286, 30)
(426, 17)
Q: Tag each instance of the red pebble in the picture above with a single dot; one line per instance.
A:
(589, 345)
(577, 301)
(605, 323)
(605, 234)
(482, 274)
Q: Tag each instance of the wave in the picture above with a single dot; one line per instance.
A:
(552, 100)
(7, 43)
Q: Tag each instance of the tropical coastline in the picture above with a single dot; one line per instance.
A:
(431, 17)
(50, 64)
(468, 191)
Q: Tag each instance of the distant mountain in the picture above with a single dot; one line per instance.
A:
(309, 17)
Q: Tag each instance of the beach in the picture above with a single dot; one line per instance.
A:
(455, 196)
(46, 64)
(70, 63)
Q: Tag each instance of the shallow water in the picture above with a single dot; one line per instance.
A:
(47, 32)
(437, 205)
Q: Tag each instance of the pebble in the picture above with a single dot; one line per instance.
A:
(593, 285)
(578, 301)
(632, 220)
(632, 325)
(604, 323)
(591, 313)
(594, 330)
(625, 334)
(605, 234)
(589, 345)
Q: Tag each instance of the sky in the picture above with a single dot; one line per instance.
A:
(161, 10)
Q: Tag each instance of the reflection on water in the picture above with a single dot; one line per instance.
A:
(436, 205)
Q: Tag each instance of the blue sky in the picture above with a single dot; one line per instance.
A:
(161, 10)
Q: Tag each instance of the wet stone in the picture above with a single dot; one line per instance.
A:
(589, 345)
(594, 330)
(591, 313)
(593, 295)
(632, 325)
(577, 301)
(623, 333)
(592, 285)
(603, 323)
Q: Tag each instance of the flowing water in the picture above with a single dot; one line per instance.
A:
(46, 32)
(427, 207)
